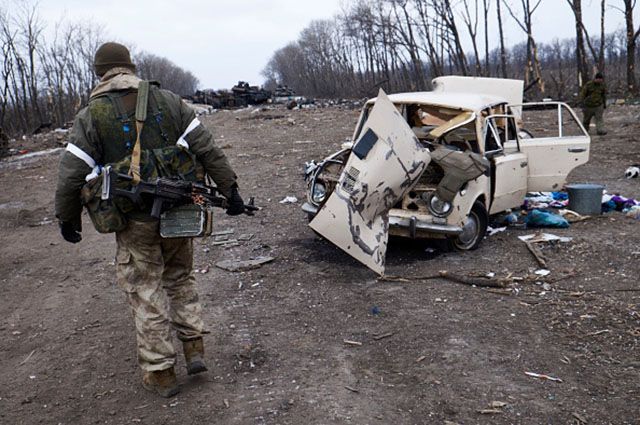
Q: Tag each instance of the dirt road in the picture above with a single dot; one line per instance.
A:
(421, 352)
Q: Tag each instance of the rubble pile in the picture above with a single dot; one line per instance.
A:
(35, 142)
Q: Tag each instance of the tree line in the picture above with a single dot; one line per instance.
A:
(44, 81)
(400, 45)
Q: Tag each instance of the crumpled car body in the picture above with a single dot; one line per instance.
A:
(437, 164)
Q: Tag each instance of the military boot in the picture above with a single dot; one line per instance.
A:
(161, 382)
(193, 355)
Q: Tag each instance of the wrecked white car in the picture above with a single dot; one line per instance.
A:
(437, 164)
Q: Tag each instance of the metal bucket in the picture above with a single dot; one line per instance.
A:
(585, 199)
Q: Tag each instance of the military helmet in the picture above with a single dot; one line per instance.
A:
(111, 55)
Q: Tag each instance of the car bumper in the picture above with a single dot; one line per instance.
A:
(411, 225)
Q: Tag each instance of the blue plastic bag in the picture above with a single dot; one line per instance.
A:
(539, 218)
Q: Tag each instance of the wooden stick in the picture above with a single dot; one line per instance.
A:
(536, 253)
(477, 281)
(379, 337)
(443, 274)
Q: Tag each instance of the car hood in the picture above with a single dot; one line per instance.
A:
(384, 164)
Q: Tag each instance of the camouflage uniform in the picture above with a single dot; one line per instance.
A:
(593, 97)
(156, 274)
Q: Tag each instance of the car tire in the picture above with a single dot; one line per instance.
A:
(474, 229)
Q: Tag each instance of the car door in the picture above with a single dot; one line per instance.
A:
(385, 162)
(553, 151)
(509, 164)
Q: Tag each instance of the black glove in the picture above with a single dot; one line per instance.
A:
(69, 232)
(236, 204)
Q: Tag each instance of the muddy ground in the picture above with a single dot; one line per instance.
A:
(432, 352)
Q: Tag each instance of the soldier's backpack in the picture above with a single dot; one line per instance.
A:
(109, 214)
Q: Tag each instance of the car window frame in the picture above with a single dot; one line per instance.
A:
(511, 125)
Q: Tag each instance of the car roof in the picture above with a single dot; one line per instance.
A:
(466, 101)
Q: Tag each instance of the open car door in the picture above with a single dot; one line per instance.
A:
(556, 148)
(384, 164)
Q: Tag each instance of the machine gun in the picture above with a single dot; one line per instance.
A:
(166, 193)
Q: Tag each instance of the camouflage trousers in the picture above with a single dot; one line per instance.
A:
(589, 112)
(157, 276)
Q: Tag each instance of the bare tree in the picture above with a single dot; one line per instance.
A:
(503, 54)
(534, 72)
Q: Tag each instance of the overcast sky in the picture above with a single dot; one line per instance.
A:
(223, 41)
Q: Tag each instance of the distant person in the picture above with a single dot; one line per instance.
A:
(156, 274)
(593, 99)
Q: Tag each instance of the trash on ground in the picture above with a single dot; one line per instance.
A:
(539, 218)
(536, 252)
(480, 280)
(225, 242)
(617, 203)
(632, 172)
(489, 411)
(243, 265)
(543, 376)
(572, 216)
(537, 200)
(634, 212)
(543, 272)
(222, 232)
(491, 231)
(544, 237)
(349, 342)
(289, 200)
(383, 336)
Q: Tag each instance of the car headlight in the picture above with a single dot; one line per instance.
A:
(319, 192)
(438, 207)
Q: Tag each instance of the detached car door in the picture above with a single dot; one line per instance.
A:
(557, 144)
(385, 162)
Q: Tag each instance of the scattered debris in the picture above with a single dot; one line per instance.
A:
(243, 265)
(572, 216)
(489, 411)
(222, 232)
(540, 218)
(491, 231)
(421, 358)
(579, 417)
(226, 403)
(544, 237)
(542, 272)
(543, 377)
(224, 242)
(353, 390)
(472, 280)
(349, 342)
(383, 336)
(604, 331)
(495, 407)
(27, 359)
(289, 200)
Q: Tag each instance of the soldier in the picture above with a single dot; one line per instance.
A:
(156, 274)
(593, 98)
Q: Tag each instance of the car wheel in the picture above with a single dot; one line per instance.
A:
(474, 229)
